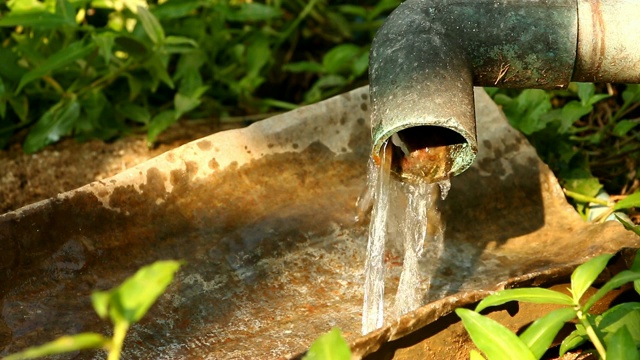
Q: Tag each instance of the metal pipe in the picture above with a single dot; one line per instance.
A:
(429, 54)
(608, 41)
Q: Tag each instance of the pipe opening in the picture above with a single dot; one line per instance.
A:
(426, 153)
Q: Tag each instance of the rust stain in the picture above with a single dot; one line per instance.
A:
(204, 145)
(598, 54)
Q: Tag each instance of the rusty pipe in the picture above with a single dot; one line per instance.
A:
(429, 54)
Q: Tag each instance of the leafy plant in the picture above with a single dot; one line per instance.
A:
(123, 305)
(615, 334)
(589, 139)
(102, 69)
(329, 346)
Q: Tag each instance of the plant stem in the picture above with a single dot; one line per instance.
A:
(595, 340)
(54, 84)
(303, 14)
(624, 110)
(587, 199)
(119, 332)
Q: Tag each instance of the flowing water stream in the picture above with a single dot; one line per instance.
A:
(405, 214)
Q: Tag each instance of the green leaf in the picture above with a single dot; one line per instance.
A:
(38, 20)
(105, 42)
(340, 58)
(636, 261)
(160, 123)
(21, 6)
(3, 99)
(618, 280)
(581, 181)
(63, 57)
(135, 112)
(10, 70)
(539, 335)
(628, 202)
(624, 126)
(475, 355)
(353, 10)
(584, 275)
(180, 40)
(360, 65)
(571, 112)
(576, 338)
(179, 44)
(100, 301)
(598, 97)
(133, 298)
(621, 346)
(304, 66)
(97, 118)
(56, 122)
(62, 345)
(329, 346)
(585, 92)
(625, 315)
(188, 66)
(151, 25)
(529, 295)
(176, 9)
(254, 11)
(526, 111)
(185, 103)
(631, 227)
(20, 106)
(631, 94)
(66, 11)
(258, 54)
(325, 82)
(135, 86)
(132, 46)
(494, 340)
(157, 67)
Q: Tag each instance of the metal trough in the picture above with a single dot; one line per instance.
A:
(264, 218)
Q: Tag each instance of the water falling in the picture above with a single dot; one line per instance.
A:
(373, 308)
(419, 226)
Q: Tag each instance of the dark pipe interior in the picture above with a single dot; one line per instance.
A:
(426, 153)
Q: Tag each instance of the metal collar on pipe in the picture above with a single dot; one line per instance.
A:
(608, 41)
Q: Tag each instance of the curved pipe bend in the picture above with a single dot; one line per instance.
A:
(429, 54)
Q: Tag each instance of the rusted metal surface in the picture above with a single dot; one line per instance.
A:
(264, 217)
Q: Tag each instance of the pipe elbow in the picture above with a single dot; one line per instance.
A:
(429, 54)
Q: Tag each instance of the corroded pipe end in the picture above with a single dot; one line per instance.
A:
(429, 153)
(433, 153)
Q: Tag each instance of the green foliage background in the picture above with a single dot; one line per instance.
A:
(105, 68)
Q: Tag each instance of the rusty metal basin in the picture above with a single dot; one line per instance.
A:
(265, 218)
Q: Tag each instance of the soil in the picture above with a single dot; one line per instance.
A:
(69, 164)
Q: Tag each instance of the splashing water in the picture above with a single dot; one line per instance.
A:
(418, 226)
